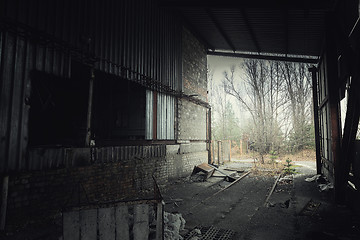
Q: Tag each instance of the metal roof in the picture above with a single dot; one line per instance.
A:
(264, 28)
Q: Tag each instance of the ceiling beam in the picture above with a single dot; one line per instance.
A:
(273, 4)
(250, 30)
(313, 60)
(219, 28)
(196, 33)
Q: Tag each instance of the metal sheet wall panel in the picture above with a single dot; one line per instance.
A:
(132, 34)
(165, 117)
(19, 57)
(149, 115)
(129, 38)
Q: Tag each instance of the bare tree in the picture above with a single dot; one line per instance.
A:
(259, 94)
(298, 89)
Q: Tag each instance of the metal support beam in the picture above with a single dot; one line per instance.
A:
(219, 28)
(196, 33)
(261, 4)
(313, 71)
(250, 29)
(312, 60)
(333, 86)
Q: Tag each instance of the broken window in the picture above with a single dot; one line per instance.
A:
(119, 109)
(58, 108)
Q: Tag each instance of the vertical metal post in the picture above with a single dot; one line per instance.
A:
(313, 71)
(89, 112)
(333, 86)
(209, 136)
(241, 147)
(219, 149)
(229, 150)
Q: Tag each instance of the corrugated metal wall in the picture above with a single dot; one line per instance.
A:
(133, 39)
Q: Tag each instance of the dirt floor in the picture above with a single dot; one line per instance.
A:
(296, 209)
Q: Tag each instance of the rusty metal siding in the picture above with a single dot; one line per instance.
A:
(133, 39)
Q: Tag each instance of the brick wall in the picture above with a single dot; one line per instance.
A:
(194, 66)
(39, 194)
(192, 117)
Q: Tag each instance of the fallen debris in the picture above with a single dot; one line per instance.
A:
(173, 224)
(314, 178)
(235, 170)
(204, 168)
(310, 208)
(288, 179)
(228, 177)
(325, 187)
(271, 191)
(237, 180)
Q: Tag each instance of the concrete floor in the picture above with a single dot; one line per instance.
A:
(241, 207)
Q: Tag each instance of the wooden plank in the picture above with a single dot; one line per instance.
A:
(122, 222)
(159, 221)
(88, 224)
(106, 220)
(272, 190)
(141, 222)
(71, 226)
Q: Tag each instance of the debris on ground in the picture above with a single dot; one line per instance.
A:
(203, 170)
(235, 170)
(313, 178)
(323, 184)
(173, 224)
(324, 187)
(288, 179)
(310, 208)
(228, 178)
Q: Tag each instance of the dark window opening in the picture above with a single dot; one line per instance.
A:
(58, 108)
(119, 109)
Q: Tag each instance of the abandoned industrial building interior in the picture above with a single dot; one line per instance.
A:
(104, 107)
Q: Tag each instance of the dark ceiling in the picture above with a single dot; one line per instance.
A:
(272, 28)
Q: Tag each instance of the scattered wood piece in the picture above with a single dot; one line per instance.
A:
(272, 189)
(235, 170)
(205, 168)
(216, 193)
(227, 178)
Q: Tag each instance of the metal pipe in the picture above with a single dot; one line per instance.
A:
(89, 112)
